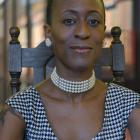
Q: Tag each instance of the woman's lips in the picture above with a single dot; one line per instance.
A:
(81, 49)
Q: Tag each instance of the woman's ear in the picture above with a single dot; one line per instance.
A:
(47, 31)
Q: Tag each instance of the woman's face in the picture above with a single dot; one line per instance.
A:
(77, 32)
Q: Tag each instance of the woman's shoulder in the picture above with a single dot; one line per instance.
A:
(26, 93)
(122, 94)
(119, 89)
(24, 102)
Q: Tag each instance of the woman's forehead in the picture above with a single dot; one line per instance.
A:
(63, 5)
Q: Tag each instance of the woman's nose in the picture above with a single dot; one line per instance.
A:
(82, 31)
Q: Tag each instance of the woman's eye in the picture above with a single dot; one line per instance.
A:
(69, 21)
(93, 22)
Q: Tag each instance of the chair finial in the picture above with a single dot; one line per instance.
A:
(118, 56)
(116, 33)
(14, 32)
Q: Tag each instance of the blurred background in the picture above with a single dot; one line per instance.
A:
(29, 16)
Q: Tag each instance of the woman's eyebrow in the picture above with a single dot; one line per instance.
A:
(72, 11)
(69, 11)
(95, 12)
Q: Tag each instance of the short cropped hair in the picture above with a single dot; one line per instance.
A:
(49, 11)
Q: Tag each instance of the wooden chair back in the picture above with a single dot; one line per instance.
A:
(41, 59)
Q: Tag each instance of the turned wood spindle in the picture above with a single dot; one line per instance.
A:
(118, 56)
(14, 69)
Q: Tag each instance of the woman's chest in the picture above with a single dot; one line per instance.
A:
(75, 123)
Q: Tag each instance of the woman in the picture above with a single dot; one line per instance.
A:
(72, 104)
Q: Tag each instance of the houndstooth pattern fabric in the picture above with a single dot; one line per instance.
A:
(119, 103)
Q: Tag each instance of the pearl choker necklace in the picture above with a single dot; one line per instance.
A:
(73, 86)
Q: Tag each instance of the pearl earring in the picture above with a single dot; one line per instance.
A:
(48, 42)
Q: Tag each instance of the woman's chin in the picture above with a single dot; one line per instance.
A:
(81, 66)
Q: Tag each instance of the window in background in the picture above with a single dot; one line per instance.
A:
(1, 53)
(32, 18)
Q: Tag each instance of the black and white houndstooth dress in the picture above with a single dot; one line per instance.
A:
(119, 103)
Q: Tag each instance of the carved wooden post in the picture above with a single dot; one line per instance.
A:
(118, 55)
(15, 59)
